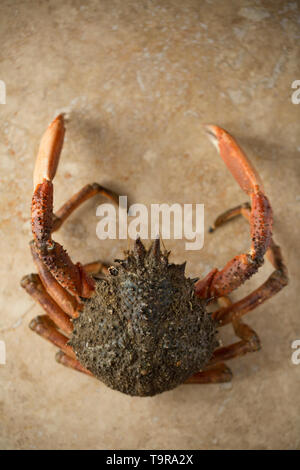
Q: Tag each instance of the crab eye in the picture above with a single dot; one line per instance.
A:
(113, 271)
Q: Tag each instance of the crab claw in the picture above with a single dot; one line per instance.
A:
(70, 276)
(235, 159)
(49, 151)
(219, 283)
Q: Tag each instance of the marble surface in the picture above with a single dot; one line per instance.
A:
(137, 80)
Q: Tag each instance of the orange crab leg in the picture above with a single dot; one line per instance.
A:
(43, 326)
(77, 199)
(70, 362)
(69, 275)
(96, 267)
(249, 343)
(66, 301)
(218, 283)
(215, 374)
(275, 282)
(32, 284)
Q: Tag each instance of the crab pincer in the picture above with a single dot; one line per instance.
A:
(69, 275)
(241, 267)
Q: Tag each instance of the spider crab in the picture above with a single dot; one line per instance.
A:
(144, 327)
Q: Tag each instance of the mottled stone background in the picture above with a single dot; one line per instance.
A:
(137, 79)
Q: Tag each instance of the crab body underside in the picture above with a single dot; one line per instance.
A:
(143, 328)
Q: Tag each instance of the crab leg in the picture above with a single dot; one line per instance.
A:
(44, 327)
(77, 199)
(275, 282)
(241, 267)
(34, 287)
(68, 361)
(96, 267)
(70, 276)
(217, 371)
(249, 343)
(242, 209)
(66, 301)
(216, 374)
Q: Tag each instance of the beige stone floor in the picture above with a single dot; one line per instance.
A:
(137, 79)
